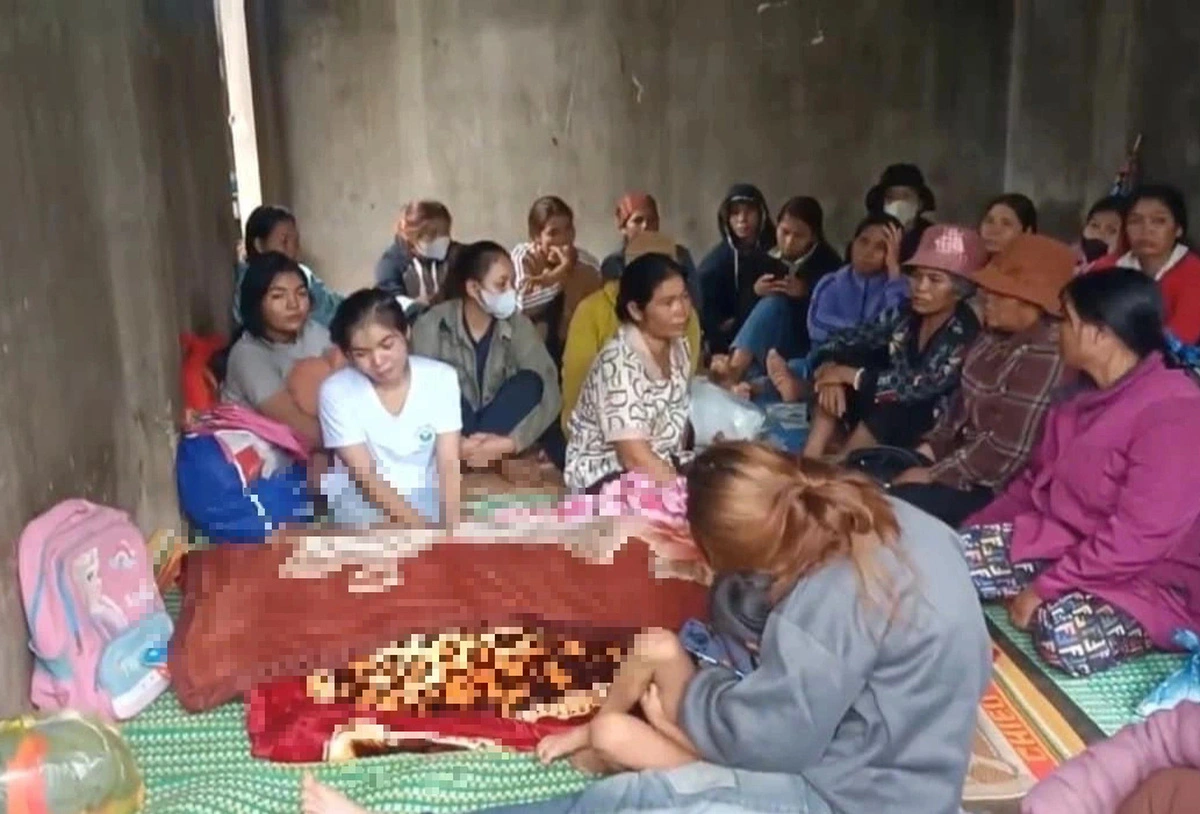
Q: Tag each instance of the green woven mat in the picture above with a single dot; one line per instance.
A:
(1109, 698)
(201, 764)
(482, 508)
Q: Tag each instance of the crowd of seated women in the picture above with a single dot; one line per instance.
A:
(1023, 383)
(1024, 378)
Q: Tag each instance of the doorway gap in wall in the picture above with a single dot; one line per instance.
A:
(246, 181)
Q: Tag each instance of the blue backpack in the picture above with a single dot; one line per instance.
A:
(225, 506)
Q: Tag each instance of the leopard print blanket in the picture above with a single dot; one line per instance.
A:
(521, 673)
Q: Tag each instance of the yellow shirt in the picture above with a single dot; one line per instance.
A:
(593, 324)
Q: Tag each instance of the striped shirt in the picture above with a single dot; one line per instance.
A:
(995, 418)
(536, 298)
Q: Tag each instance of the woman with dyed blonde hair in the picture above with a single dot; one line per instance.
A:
(869, 653)
(415, 265)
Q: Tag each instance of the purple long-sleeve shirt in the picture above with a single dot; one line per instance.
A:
(1109, 499)
(848, 298)
(1097, 781)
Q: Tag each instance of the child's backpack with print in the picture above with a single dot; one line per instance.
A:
(98, 628)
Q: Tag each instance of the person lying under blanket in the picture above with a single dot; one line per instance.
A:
(883, 724)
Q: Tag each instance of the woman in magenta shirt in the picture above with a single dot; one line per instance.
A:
(1097, 543)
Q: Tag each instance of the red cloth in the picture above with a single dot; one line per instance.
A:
(241, 623)
(1181, 294)
(198, 351)
(286, 726)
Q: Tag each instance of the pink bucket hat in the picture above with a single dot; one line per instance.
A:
(953, 249)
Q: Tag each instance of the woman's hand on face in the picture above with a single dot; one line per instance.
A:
(560, 258)
(892, 258)
(1023, 607)
(535, 262)
(832, 398)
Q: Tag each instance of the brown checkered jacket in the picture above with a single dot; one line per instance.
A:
(995, 418)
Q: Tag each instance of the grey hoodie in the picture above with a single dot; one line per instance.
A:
(877, 715)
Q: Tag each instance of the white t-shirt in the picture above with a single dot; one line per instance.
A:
(402, 445)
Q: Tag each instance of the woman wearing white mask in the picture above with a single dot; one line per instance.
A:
(510, 392)
(903, 194)
(415, 265)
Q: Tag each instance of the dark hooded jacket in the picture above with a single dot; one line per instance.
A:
(728, 272)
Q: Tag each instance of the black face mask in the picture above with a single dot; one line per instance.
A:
(1093, 249)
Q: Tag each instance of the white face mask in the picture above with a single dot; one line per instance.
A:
(501, 305)
(902, 210)
(435, 249)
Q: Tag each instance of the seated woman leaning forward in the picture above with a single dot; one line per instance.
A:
(509, 384)
(884, 380)
(632, 414)
(277, 331)
(870, 658)
(1011, 372)
(392, 421)
(852, 712)
(1097, 542)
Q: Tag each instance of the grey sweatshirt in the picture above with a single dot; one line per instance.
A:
(876, 715)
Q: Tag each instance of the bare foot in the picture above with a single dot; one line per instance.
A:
(791, 388)
(588, 761)
(562, 744)
(317, 798)
(718, 369)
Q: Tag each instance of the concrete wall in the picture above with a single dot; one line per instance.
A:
(115, 234)
(1168, 92)
(1087, 76)
(486, 105)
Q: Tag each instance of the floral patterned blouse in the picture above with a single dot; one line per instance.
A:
(626, 397)
(895, 369)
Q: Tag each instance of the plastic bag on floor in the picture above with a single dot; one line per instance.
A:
(1182, 685)
(715, 411)
(67, 764)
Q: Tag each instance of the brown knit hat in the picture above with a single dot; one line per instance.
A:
(1034, 268)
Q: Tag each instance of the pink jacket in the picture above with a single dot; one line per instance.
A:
(1110, 498)
(1097, 781)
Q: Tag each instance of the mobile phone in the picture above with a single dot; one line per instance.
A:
(717, 649)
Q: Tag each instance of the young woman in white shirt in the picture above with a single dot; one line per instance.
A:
(392, 422)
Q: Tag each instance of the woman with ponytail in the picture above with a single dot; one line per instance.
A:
(869, 656)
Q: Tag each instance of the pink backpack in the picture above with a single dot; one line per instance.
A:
(98, 628)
